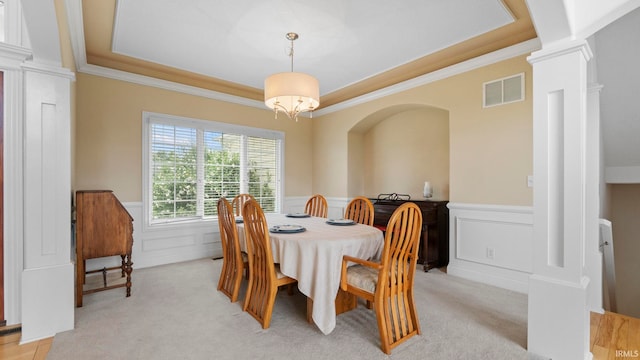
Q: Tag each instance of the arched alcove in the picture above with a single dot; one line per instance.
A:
(397, 149)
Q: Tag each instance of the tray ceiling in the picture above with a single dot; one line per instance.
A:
(352, 47)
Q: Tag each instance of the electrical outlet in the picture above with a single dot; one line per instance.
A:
(489, 253)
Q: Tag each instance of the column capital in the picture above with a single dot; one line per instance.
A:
(48, 69)
(561, 48)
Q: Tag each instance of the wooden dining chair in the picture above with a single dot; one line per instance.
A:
(264, 276)
(234, 261)
(238, 202)
(316, 206)
(360, 210)
(389, 283)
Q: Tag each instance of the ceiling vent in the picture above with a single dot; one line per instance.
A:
(503, 91)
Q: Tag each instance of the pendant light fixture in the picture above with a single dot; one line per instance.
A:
(291, 92)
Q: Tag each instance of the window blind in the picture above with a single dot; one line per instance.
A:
(192, 164)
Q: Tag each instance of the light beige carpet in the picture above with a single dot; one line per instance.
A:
(175, 312)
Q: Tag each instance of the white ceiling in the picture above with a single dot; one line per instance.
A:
(341, 42)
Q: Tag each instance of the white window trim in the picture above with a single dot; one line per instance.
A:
(148, 117)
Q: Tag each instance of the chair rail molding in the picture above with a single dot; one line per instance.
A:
(492, 244)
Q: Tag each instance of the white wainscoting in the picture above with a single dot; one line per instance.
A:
(189, 240)
(491, 244)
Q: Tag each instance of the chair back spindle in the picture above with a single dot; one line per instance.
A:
(264, 275)
(238, 203)
(389, 283)
(317, 206)
(360, 209)
(233, 262)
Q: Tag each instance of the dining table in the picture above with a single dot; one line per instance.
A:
(313, 256)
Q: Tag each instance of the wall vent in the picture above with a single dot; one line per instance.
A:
(503, 91)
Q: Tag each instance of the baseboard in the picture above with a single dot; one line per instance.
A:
(598, 310)
(510, 283)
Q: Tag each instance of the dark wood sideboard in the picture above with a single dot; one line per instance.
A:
(434, 247)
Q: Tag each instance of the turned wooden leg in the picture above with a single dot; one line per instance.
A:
(104, 276)
(128, 269)
(123, 265)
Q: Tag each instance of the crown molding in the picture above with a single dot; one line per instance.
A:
(76, 31)
(168, 85)
(560, 48)
(12, 56)
(522, 48)
(48, 69)
(74, 14)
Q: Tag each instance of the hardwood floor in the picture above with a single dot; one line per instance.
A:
(613, 336)
(11, 350)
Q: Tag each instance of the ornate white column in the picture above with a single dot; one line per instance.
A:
(558, 325)
(11, 59)
(47, 279)
(48, 273)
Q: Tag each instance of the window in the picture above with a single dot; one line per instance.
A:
(190, 164)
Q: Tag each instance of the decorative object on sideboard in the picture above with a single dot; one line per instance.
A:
(394, 197)
(291, 92)
(427, 191)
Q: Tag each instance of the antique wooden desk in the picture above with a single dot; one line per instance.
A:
(103, 228)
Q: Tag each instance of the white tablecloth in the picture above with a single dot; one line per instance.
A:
(314, 258)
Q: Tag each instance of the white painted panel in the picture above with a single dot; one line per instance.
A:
(164, 243)
(495, 243)
(492, 244)
(49, 164)
(335, 212)
(104, 262)
(211, 238)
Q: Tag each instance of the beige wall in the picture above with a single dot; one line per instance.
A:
(109, 133)
(413, 139)
(625, 209)
(490, 150)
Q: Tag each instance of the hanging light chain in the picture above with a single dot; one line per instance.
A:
(291, 37)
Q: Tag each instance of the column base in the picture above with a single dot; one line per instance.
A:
(47, 301)
(558, 325)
